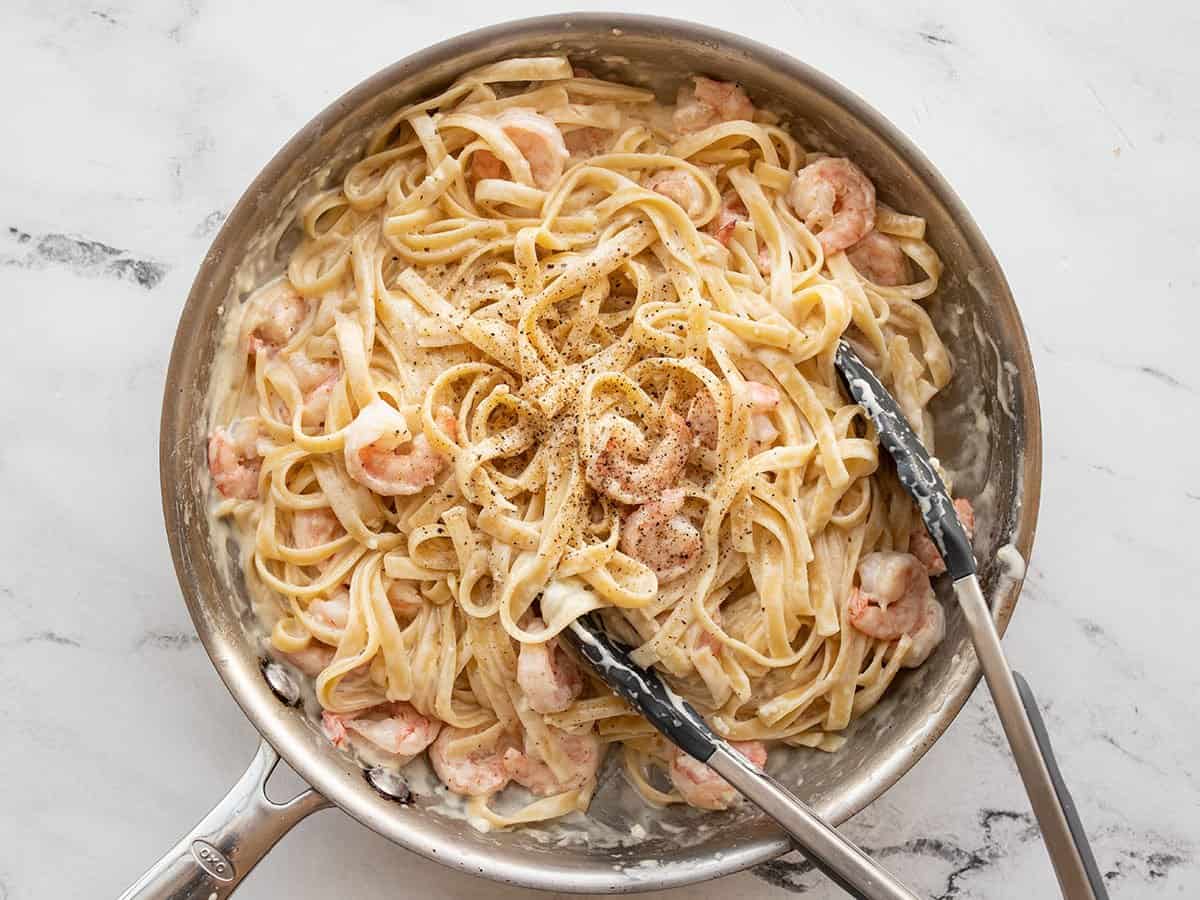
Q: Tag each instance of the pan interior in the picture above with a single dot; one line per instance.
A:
(987, 436)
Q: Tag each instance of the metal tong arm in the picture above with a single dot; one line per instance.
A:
(678, 720)
(840, 859)
(1065, 838)
(1074, 865)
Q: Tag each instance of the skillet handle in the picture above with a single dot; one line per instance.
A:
(212, 859)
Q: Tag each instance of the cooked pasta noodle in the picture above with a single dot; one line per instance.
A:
(553, 348)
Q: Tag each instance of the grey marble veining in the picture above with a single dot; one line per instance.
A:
(132, 127)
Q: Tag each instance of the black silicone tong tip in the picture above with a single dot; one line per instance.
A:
(667, 711)
(913, 465)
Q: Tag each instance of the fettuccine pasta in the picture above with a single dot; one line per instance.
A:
(550, 348)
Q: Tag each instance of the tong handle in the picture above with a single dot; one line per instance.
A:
(1071, 855)
(827, 849)
(1042, 736)
(839, 858)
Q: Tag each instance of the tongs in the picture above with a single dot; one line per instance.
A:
(1071, 855)
(832, 853)
(836, 856)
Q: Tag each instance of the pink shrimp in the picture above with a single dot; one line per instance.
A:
(885, 623)
(478, 773)
(921, 545)
(316, 657)
(834, 195)
(539, 141)
(703, 788)
(661, 537)
(732, 211)
(763, 258)
(374, 457)
(550, 679)
(700, 638)
(234, 461)
(879, 259)
(706, 102)
(583, 756)
(404, 599)
(395, 729)
(334, 612)
(891, 597)
(614, 468)
(312, 660)
(486, 164)
(927, 633)
(763, 398)
(680, 186)
(317, 379)
(314, 527)
(587, 141)
(702, 420)
(280, 316)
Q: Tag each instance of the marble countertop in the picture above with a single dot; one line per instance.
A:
(132, 126)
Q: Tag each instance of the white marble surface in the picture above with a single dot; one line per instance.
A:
(1070, 129)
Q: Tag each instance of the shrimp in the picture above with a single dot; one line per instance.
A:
(528, 769)
(316, 403)
(921, 545)
(657, 534)
(707, 102)
(404, 599)
(835, 196)
(702, 420)
(927, 633)
(732, 211)
(879, 259)
(314, 527)
(539, 141)
(763, 399)
(373, 454)
(317, 379)
(680, 186)
(234, 461)
(334, 612)
(478, 773)
(702, 415)
(703, 788)
(312, 660)
(763, 258)
(586, 141)
(311, 372)
(393, 728)
(316, 657)
(892, 595)
(615, 471)
(549, 678)
(279, 317)
(486, 164)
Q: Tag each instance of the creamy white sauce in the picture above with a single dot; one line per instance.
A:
(261, 262)
(1011, 562)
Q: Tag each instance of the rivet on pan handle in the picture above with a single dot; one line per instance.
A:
(210, 861)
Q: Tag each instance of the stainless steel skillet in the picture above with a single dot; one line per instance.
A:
(1001, 466)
